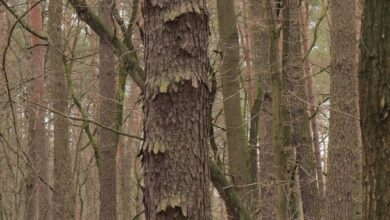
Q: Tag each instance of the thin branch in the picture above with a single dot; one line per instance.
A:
(315, 35)
(89, 121)
(125, 54)
(134, 10)
(84, 116)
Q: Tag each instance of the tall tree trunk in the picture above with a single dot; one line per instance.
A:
(107, 140)
(288, 167)
(288, 154)
(280, 163)
(238, 152)
(259, 33)
(374, 76)
(343, 139)
(301, 137)
(260, 125)
(176, 101)
(63, 197)
(36, 192)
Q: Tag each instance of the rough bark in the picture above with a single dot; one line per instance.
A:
(374, 76)
(239, 165)
(301, 137)
(343, 139)
(37, 204)
(63, 197)
(176, 100)
(107, 140)
(96, 24)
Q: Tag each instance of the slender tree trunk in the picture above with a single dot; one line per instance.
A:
(253, 49)
(107, 140)
(343, 139)
(176, 101)
(301, 137)
(310, 85)
(281, 196)
(289, 149)
(37, 204)
(277, 127)
(126, 161)
(63, 197)
(239, 165)
(259, 33)
(374, 76)
(288, 153)
(92, 182)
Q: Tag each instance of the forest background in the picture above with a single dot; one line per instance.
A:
(194, 109)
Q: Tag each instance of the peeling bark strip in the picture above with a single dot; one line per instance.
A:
(175, 151)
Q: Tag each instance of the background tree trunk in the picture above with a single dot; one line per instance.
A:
(280, 163)
(63, 197)
(343, 139)
(310, 86)
(239, 165)
(127, 163)
(37, 193)
(176, 101)
(259, 33)
(260, 123)
(374, 76)
(301, 137)
(107, 140)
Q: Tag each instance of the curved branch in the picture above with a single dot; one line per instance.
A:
(233, 204)
(126, 55)
(7, 83)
